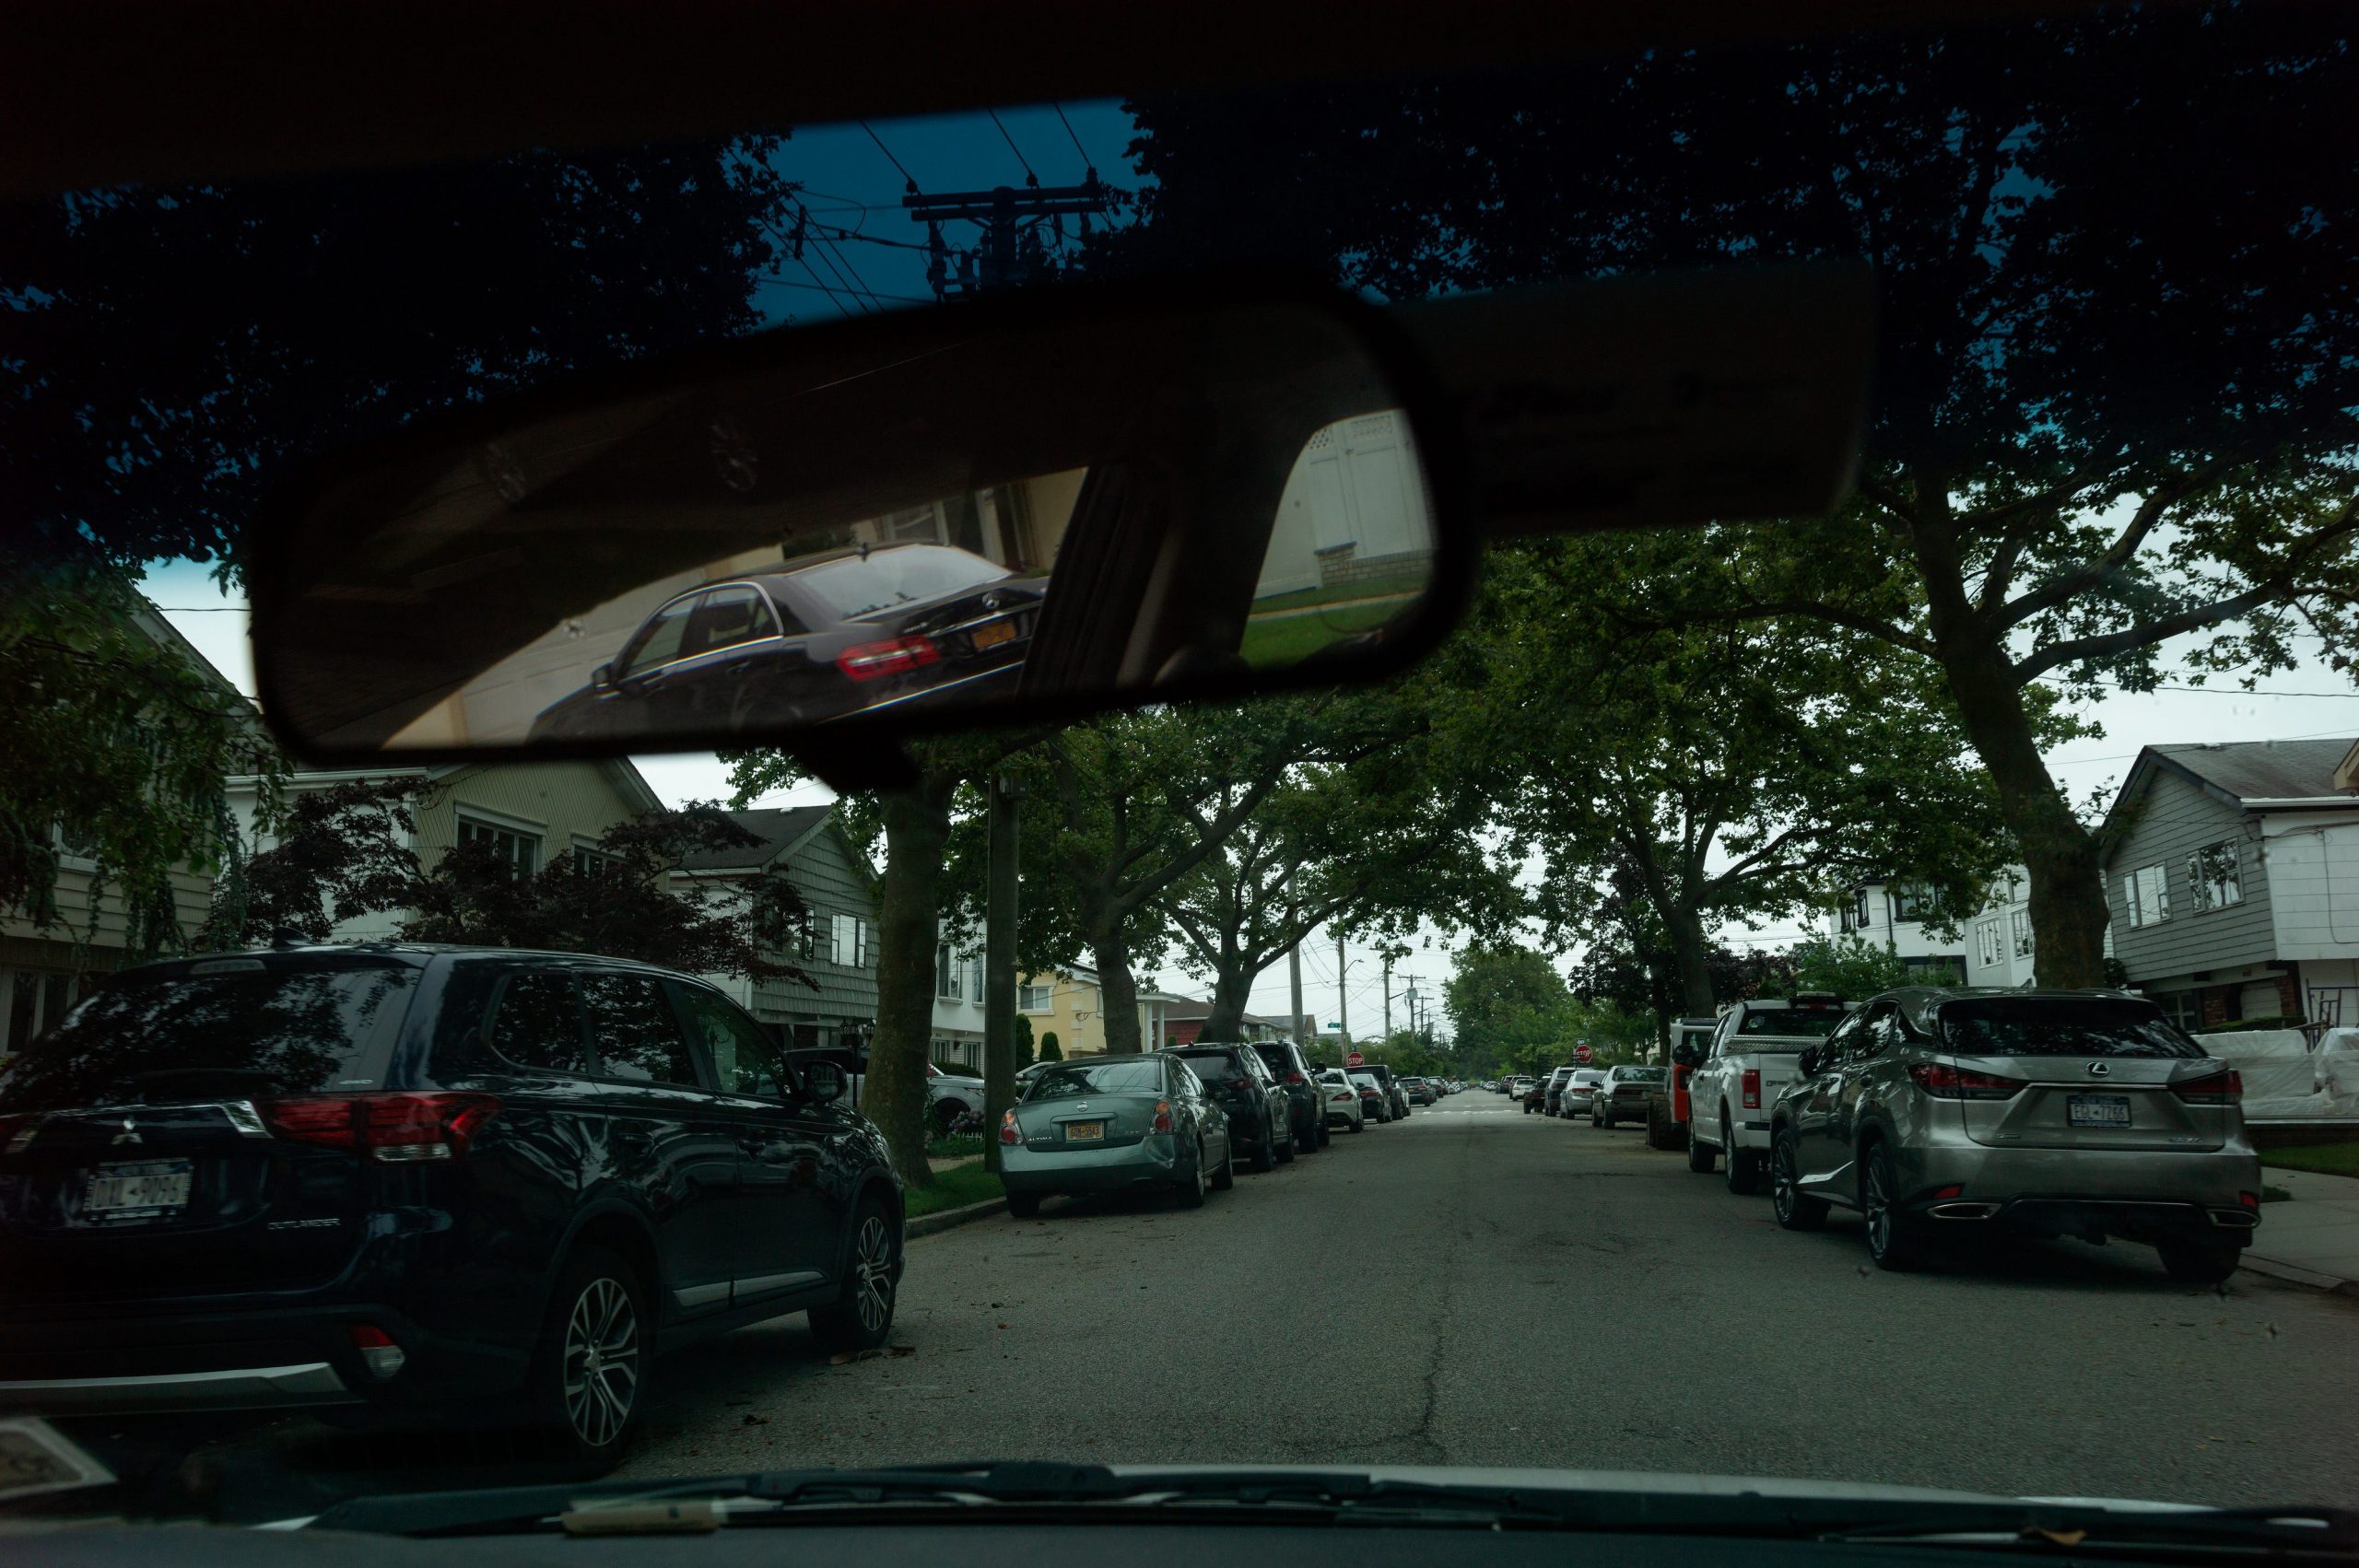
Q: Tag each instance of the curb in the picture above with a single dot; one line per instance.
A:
(951, 1218)
(2293, 1273)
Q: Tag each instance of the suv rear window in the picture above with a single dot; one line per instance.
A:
(2061, 1026)
(221, 1025)
(1213, 1065)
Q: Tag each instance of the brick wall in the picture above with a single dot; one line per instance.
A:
(1341, 565)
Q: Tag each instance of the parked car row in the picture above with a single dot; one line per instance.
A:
(1952, 1111)
(1606, 1097)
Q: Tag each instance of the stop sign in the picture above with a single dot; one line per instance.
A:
(1581, 1054)
(1355, 1059)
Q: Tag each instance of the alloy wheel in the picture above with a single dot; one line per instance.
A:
(601, 1361)
(1877, 1200)
(1781, 1180)
(872, 1263)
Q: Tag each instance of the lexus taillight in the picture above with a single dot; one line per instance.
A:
(1944, 1081)
(2218, 1089)
(1753, 1088)
(867, 661)
(395, 1129)
(1162, 1115)
(1008, 1131)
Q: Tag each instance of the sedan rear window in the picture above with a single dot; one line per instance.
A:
(221, 1027)
(1132, 1077)
(1641, 1074)
(862, 585)
(2061, 1026)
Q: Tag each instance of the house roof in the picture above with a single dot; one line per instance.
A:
(776, 830)
(2252, 773)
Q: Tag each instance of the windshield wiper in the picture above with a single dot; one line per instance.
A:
(1332, 1498)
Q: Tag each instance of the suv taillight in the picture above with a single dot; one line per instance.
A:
(1295, 1077)
(1944, 1081)
(2219, 1088)
(1753, 1088)
(395, 1129)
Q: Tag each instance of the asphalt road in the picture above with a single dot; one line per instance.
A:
(1475, 1286)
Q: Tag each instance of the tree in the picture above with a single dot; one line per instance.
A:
(1050, 1050)
(1505, 1001)
(176, 354)
(1850, 967)
(1703, 770)
(344, 851)
(2114, 399)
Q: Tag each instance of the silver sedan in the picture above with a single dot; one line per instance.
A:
(1114, 1124)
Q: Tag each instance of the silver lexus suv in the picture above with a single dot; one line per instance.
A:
(2058, 1113)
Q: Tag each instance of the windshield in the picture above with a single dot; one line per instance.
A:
(1100, 1078)
(1896, 483)
(2050, 1026)
(862, 585)
(244, 1028)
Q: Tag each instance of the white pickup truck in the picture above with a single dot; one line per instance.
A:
(1753, 1056)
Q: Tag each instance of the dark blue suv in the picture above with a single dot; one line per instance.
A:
(408, 1181)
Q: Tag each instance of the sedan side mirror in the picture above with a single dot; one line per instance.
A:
(602, 679)
(1687, 1055)
(1809, 1061)
(824, 1081)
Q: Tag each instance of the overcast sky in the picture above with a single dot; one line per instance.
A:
(851, 182)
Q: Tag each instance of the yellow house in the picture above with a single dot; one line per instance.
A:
(1068, 1002)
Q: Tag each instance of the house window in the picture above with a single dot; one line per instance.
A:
(591, 861)
(1938, 969)
(1986, 942)
(2023, 933)
(1032, 999)
(1855, 913)
(848, 943)
(521, 851)
(2147, 894)
(1908, 904)
(2212, 875)
(949, 973)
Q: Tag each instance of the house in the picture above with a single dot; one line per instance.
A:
(2232, 873)
(1066, 1001)
(1999, 938)
(958, 1005)
(1183, 1024)
(1017, 525)
(838, 950)
(44, 969)
(1893, 916)
(1352, 512)
(530, 813)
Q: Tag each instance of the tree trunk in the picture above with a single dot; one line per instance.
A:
(1118, 990)
(1231, 989)
(1693, 953)
(917, 827)
(2068, 907)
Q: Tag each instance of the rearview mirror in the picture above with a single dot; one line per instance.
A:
(1687, 1053)
(1025, 508)
(823, 1081)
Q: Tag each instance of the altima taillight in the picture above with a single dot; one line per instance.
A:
(1753, 1088)
(2218, 1089)
(1944, 1081)
(395, 1129)
(1008, 1131)
(1162, 1115)
(867, 661)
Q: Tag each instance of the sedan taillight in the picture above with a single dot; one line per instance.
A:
(867, 661)
(1944, 1081)
(2218, 1089)
(1162, 1115)
(1008, 1131)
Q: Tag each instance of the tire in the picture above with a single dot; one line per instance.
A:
(1603, 1118)
(863, 1318)
(1795, 1209)
(1359, 1126)
(1894, 1241)
(1743, 1166)
(590, 1403)
(1265, 1152)
(1661, 1131)
(1023, 1205)
(1326, 1133)
(1225, 1178)
(2197, 1262)
(1699, 1153)
(1191, 1193)
(1306, 1142)
(1285, 1146)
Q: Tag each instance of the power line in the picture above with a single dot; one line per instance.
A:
(888, 155)
(1088, 164)
(790, 283)
(2215, 691)
(1029, 178)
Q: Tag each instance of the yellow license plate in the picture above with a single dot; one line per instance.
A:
(1084, 1132)
(993, 634)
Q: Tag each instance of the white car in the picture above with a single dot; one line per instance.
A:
(1753, 1056)
(1341, 1099)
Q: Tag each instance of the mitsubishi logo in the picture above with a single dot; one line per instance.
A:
(130, 1133)
(2098, 1069)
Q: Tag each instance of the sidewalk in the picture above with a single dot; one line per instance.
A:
(2313, 1238)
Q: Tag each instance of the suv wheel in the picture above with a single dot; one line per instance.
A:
(1265, 1152)
(2198, 1262)
(863, 1317)
(1892, 1231)
(1743, 1165)
(1796, 1210)
(1190, 1192)
(1305, 1139)
(1283, 1143)
(589, 1375)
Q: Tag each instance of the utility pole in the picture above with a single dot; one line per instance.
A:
(1293, 980)
(999, 964)
(1011, 249)
(1342, 1002)
(1387, 996)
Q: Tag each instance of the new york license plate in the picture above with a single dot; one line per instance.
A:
(136, 1190)
(1084, 1132)
(994, 633)
(2097, 1110)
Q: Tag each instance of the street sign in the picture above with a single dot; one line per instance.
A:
(1355, 1059)
(1581, 1054)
